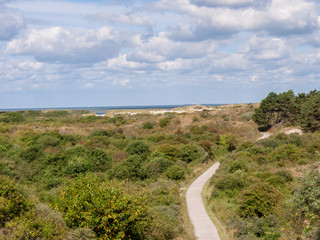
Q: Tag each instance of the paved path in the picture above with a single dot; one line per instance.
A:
(204, 229)
(264, 136)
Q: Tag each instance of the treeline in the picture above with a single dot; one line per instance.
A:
(287, 108)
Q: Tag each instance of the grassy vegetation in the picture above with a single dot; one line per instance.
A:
(71, 175)
(270, 189)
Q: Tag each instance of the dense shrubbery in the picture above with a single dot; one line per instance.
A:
(105, 207)
(13, 202)
(256, 187)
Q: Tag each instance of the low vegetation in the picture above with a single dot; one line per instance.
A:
(72, 175)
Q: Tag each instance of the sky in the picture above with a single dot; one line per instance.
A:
(68, 53)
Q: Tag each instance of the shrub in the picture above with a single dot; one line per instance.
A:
(228, 142)
(164, 122)
(31, 153)
(307, 195)
(286, 152)
(206, 145)
(147, 125)
(42, 223)
(57, 114)
(286, 175)
(102, 133)
(13, 202)
(105, 207)
(259, 200)
(191, 153)
(269, 143)
(100, 159)
(129, 168)
(158, 165)
(77, 164)
(48, 141)
(169, 151)
(237, 165)
(166, 222)
(11, 117)
(175, 172)
(139, 148)
(98, 142)
(230, 184)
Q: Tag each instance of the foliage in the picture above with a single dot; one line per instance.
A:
(129, 168)
(310, 113)
(11, 117)
(13, 201)
(147, 125)
(103, 206)
(175, 172)
(288, 108)
(164, 121)
(259, 200)
(41, 223)
(140, 148)
(190, 153)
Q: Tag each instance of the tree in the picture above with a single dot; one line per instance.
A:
(310, 113)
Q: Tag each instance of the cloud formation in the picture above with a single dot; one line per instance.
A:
(11, 22)
(159, 44)
(61, 45)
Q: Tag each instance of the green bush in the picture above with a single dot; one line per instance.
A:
(138, 148)
(288, 152)
(57, 113)
(100, 159)
(169, 151)
(238, 165)
(11, 117)
(97, 142)
(48, 141)
(190, 153)
(269, 143)
(106, 207)
(307, 195)
(158, 165)
(13, 201)
(147, 125)
(230, 184)
(78, 164)
(102, 133)
(129, 168)
(175, 172)
(41, 223)
(164, 122)
(259, 200)
(31, 153)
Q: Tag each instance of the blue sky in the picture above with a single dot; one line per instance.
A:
(131, 52)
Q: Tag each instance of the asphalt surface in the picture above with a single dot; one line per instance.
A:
(204, 229)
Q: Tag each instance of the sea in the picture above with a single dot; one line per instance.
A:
(103, 110)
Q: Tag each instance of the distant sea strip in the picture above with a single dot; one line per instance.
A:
(103, 110)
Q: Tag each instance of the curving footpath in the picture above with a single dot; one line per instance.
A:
(204, 229)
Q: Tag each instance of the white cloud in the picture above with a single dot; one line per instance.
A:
(11, 22)
(261, 48)
(227, 3)
(61, 45)
(120, 18)
(121, 82)
(160, 48)
(279, 17)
